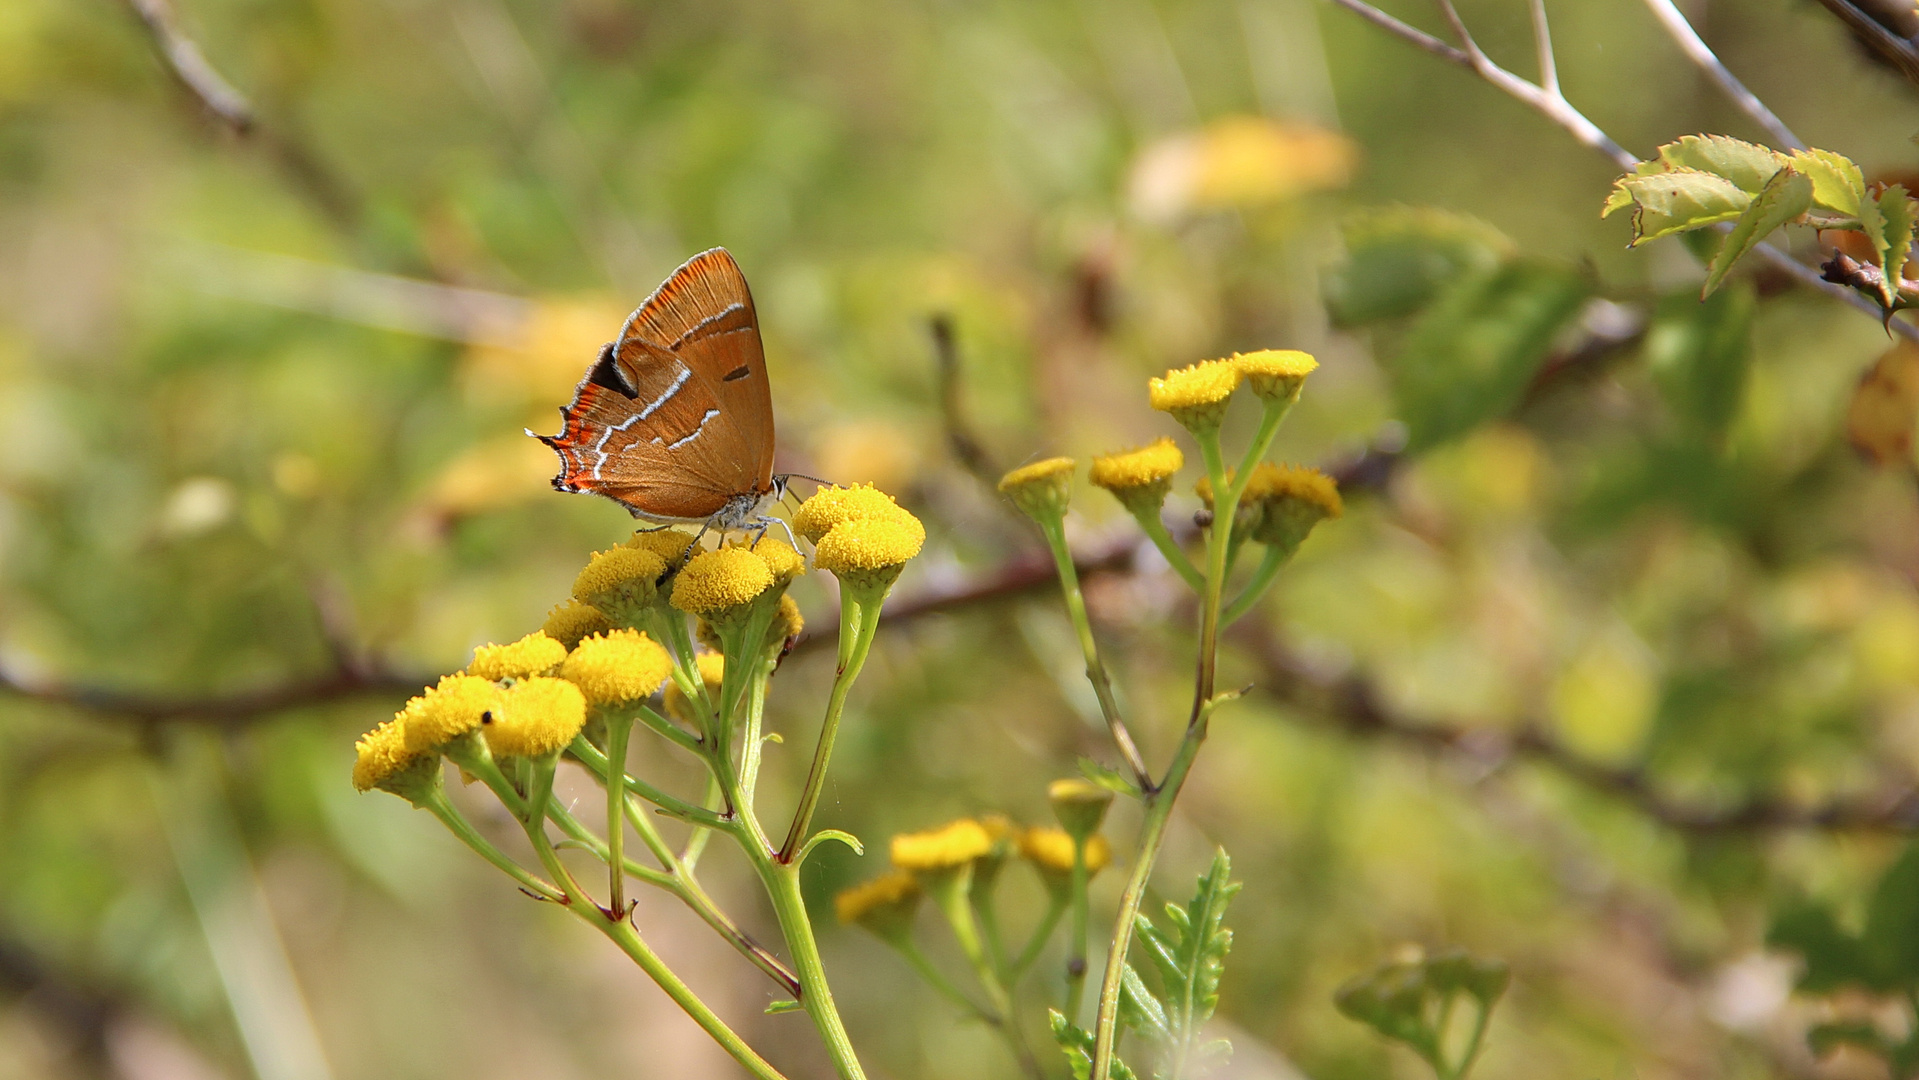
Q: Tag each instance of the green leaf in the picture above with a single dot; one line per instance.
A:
(1697, 353)
(1109, 778)
(1455, 970)
(1679, 200)
(1891, 936)
(1748, 165)
(1834, 958)
(1191, 954)
(1894, 241)
(1077, 1045)
(824, 835)
(1140, 1011)
(1825, 1038)
(1470, 356)
(1837, 183)
(1787, 196)
(786, 1005)
(1398, 259)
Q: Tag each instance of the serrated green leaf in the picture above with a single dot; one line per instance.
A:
(1748, 165)
(1837, 183)
(1679, 200)
(1077, 1045)
(1107, 777)
(1621, 196)
(1469, 357)
(1697, 354)
(1398, 259)
(1140, 1011)
(1786, 197)
(1895, 240)
(1190, 955)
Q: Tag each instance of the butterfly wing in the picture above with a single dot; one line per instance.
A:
(675, 419)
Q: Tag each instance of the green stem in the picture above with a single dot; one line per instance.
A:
(696, 843)
(1272, 412)
(1037, 941)
(1076, 956)
(953, 897)
(1269, 564)
(583, 837)
(859, 622)
(438, 805)
(782, 883)
(628, 940)
(596, 763)
(754, 741)
(1155, 530)
(619, 727)
(671, 731)
(1473, 1044)
(937, 980)
(1055, 532)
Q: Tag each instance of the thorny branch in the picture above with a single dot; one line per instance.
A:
(1553, 105)
(1700, 53)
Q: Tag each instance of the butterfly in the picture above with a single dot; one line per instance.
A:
(674, 421)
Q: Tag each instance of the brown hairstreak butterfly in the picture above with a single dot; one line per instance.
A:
(674, 421)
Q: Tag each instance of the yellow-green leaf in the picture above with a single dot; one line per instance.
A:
(1786, 196)
(1894, 242)
(1680, 200)
(1748, 165)
(1837, 183)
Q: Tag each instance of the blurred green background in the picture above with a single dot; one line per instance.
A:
(1564, 687)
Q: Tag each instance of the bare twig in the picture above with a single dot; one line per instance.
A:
(966, 446)
(1700, 53)
(1543, 45)
(223, 711)
(1556, 108)
(1902, 54)
(233, 111)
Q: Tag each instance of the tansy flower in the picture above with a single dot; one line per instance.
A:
(832, 506)
(953, 844)
(1282, 503)
(567, 623)
(617, 667)
(884, 905)
(1041, 490)
(1196, 396)
(867, 554)
(534, 654)
(1275, 373)
(535, 717)
(381, 760)
(719, 584)
(787, 623)
(781, 560)
(668, 544)
(1139, 478)
(1051, 850)
(448, 710)
(621, 583)
(1080, 805)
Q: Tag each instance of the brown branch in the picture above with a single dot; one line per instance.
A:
(1899, 52)
(220, 711)
(966, 446)
(233, 111)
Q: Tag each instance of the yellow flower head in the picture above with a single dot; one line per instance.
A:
(534, 654)
(1196, 396)
(446, 711)
(1282, 503)
(954, 844)
(1275, 373)
(717, 582)
(567, 623)
(1041, 490)
(536, 717)
(781, 560)
(1080, 805)
(787, 623)
(617, 666)
(884, 905)
(381, 760)
(867, 554)
(1139, 478)
(621, 583)
(668, 544)
(832, 506)
(1051, 850)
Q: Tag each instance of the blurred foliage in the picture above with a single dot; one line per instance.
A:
(260, 404)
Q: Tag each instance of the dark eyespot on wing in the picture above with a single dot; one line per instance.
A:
(606, 372)
(740, 372)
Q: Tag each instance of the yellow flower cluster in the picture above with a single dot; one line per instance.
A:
(714, 582)
(621, 583)
(1275, 373)
(890, 890)
(446, 711)
(1041, 490)
(668, 544)
(953, 844)
(1281, 503)
(381, 754)
(859, 534)
(567, 623)
(1051, 849)
(1196, 396)
(535, 717)
(1139, 478)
